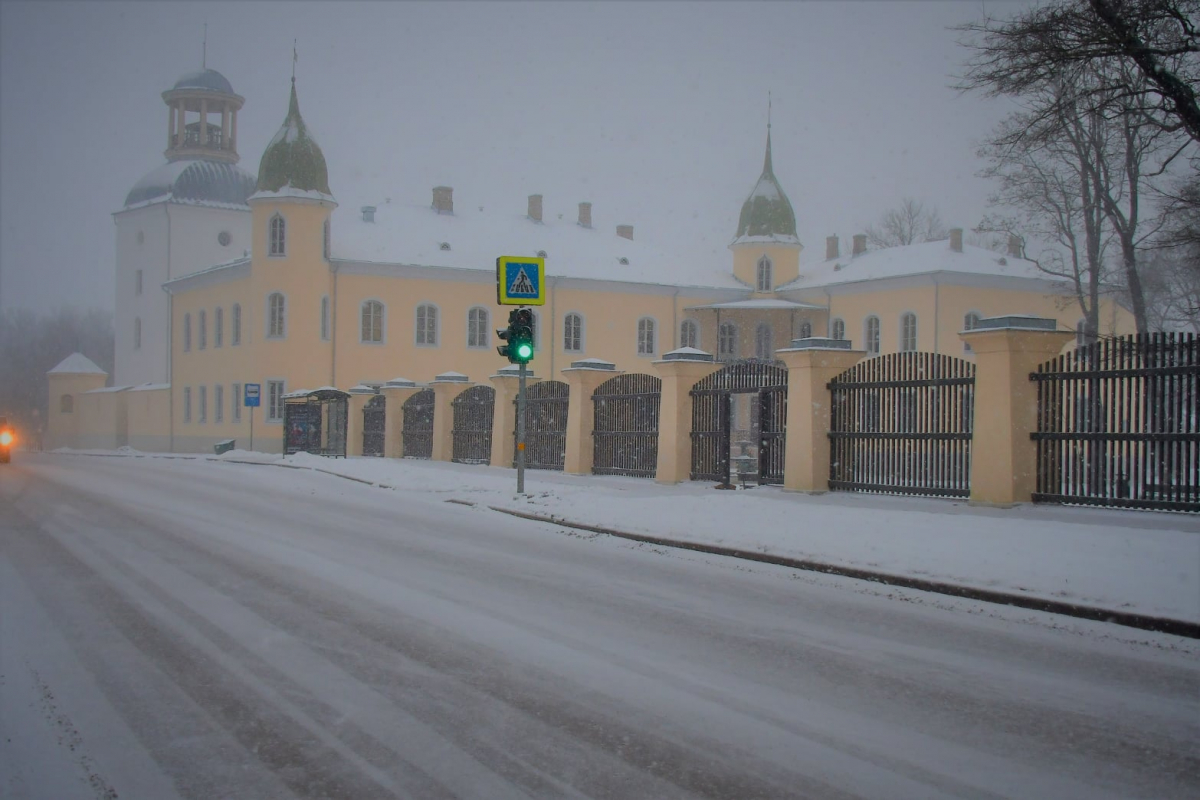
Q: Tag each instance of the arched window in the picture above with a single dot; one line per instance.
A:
(646, 345)
(427, 325)
(325, 318)
(278, 236)
(805, 330)
(137, 333)
(276, 316)
(202, 329)
(66, 404)
(187, 332)
(235, 332)
(573, 333)
(764, 274)
(203, 404)
(838, 329)
(218, 327)
(689, 334)
(762, 341)
(477, 327)
(908, 332)
(727, 341)
(970, 323)
(372, 322)
(871, 335)
(187, 404)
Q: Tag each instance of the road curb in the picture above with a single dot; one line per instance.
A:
(1166, 625)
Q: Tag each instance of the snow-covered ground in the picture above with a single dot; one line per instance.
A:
(1141, 562)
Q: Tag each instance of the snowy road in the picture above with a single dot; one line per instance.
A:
(200, 630)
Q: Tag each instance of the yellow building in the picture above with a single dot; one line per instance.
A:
(340, 296)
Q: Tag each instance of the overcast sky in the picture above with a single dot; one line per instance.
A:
(654, 112)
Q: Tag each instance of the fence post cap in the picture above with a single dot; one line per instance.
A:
(399, 383)
(819, 343)
(451, 377)
(1015, 322)
(360, 389)
(593, 363)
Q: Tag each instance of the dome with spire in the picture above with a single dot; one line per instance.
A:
(767, 214)
(206, 79)
(293, 164)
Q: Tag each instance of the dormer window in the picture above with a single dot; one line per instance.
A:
(623, 261)
(368, 213)
(541, 254)
(764, 274)
(444, 246)
(278, 236)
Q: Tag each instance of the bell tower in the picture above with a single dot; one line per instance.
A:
(202, 118)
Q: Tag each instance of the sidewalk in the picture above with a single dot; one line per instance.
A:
(1144, 563)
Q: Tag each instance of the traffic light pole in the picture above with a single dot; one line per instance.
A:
(521, 429)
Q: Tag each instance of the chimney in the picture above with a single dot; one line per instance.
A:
(860, 244)
(1014, 246)
(585, 215)
(956, 239)
(831, 248)
(535, 207)
(443, 199)
(368, 213)
(625, 232)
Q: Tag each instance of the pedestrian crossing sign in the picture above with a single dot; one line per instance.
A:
(520, 281)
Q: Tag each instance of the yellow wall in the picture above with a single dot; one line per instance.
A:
(102, 419)
(149, 412)
(785, 263)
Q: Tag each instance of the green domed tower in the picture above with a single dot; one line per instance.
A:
(293, 160)
(766, 250)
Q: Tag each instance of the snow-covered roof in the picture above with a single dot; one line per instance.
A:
(208, 79)
(761, 305)
(914, 259)
(472, 239)
(77, 364)
(108, 389)
(150, 387)
(292, 192)
(193, 182)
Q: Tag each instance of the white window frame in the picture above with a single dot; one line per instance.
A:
(277, 242)
(218, 403)
(421, 326)
(763, 344)
(202, 329)
(834, 324)
(764, 275)
(362, 312)
(732, 338)
(274, 410)
(806, 329)
(873, 344)
(479, 320)
(970, 323)
(325, 318)
(691, 339)
(187, 333)
(573, 332)
(235, 325)
(218, 327)
(647, 336)
(187, 404)
(235, 406)
(271, 316)
(908, 345)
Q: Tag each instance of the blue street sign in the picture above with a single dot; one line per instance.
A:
(252, 394)
(520, 281)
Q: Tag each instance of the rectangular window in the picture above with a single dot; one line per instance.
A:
(573, 333)
(187, 332)
(645, 337)
(274, 401)
(235, 335)
(219, 327)
(137, 282)
(235, 404)
(203, 404)
(325, 318)
(218, 403)
(187, 404)
(202, 329)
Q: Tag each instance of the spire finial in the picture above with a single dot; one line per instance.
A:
(294, 60)
(768, 109)
(204, 49)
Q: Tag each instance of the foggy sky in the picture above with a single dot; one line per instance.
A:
(654, 112)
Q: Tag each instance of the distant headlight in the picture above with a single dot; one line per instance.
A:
(6, 438)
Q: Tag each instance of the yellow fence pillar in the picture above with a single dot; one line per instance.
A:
(679, 371)
(1003, 457)
(582, 379)
(359, 397)
(446, 387)
(504, 416)
(396, 393)
(810, 368)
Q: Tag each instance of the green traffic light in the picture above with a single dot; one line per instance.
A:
(524, 351)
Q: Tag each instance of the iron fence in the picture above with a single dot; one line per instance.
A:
(374, 422)
(545, 425)
(762, 434)
(472, 431)
(625, 433)
(417, 432)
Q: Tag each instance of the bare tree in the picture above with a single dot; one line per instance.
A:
(1173, 289)
(1156, 39)
(909, 223)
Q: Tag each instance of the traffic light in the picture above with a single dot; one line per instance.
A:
(517, 337)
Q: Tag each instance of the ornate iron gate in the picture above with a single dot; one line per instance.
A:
(472, 432)
(712, 423)
(374, 420)
(902, 424)
(545, 425)
(418, 425)
(625, 434)
(1119, 424)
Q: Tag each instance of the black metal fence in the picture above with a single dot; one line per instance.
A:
(374, 421)
(625, 433)
(902, 424)
(1119, 424)
(418, 425)
(472, 431)
(545, 425)
(713, 421)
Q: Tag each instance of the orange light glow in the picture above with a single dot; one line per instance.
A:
(6, 438)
